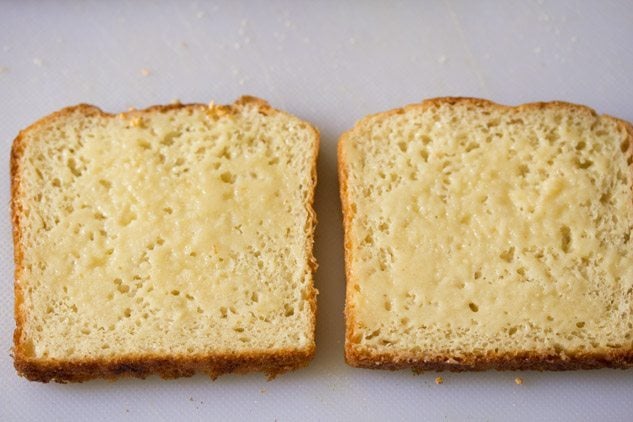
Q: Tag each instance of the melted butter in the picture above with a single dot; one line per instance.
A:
(185, 225)
(476, 239)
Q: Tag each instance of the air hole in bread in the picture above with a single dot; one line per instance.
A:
(584, 164)
(143, 144)
(507, 255)
(168, 139)
(565, 233)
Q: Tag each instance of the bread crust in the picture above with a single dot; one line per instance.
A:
(516, 360)
(271, 362)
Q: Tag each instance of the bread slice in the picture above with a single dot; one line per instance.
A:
(481, 236)
(169, 240)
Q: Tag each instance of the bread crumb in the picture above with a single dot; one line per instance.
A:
(441, 59)
(439, 380)
(4, 69)
(263, 391)
(145, 72)
(175, 101)
(518, 380)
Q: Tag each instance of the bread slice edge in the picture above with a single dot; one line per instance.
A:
(515, 360)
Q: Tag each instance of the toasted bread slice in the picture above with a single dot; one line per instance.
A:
(481, 236)
(169, 240)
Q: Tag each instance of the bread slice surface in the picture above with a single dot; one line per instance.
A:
(169, 240)
(481, 236)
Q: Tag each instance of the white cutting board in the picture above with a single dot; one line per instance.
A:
(330, 63)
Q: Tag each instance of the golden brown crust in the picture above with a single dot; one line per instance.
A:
(347, 246)
(271, 362)
(475, 102)
(519, 360)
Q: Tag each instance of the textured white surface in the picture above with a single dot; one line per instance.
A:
(329, 63)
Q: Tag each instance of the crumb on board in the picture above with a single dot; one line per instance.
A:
(145, 72)
(175, 101)
(439, 380)
(518, 380)
(4, 69)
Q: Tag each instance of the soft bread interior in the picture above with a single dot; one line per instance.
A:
(176, 231)
(475, 229)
